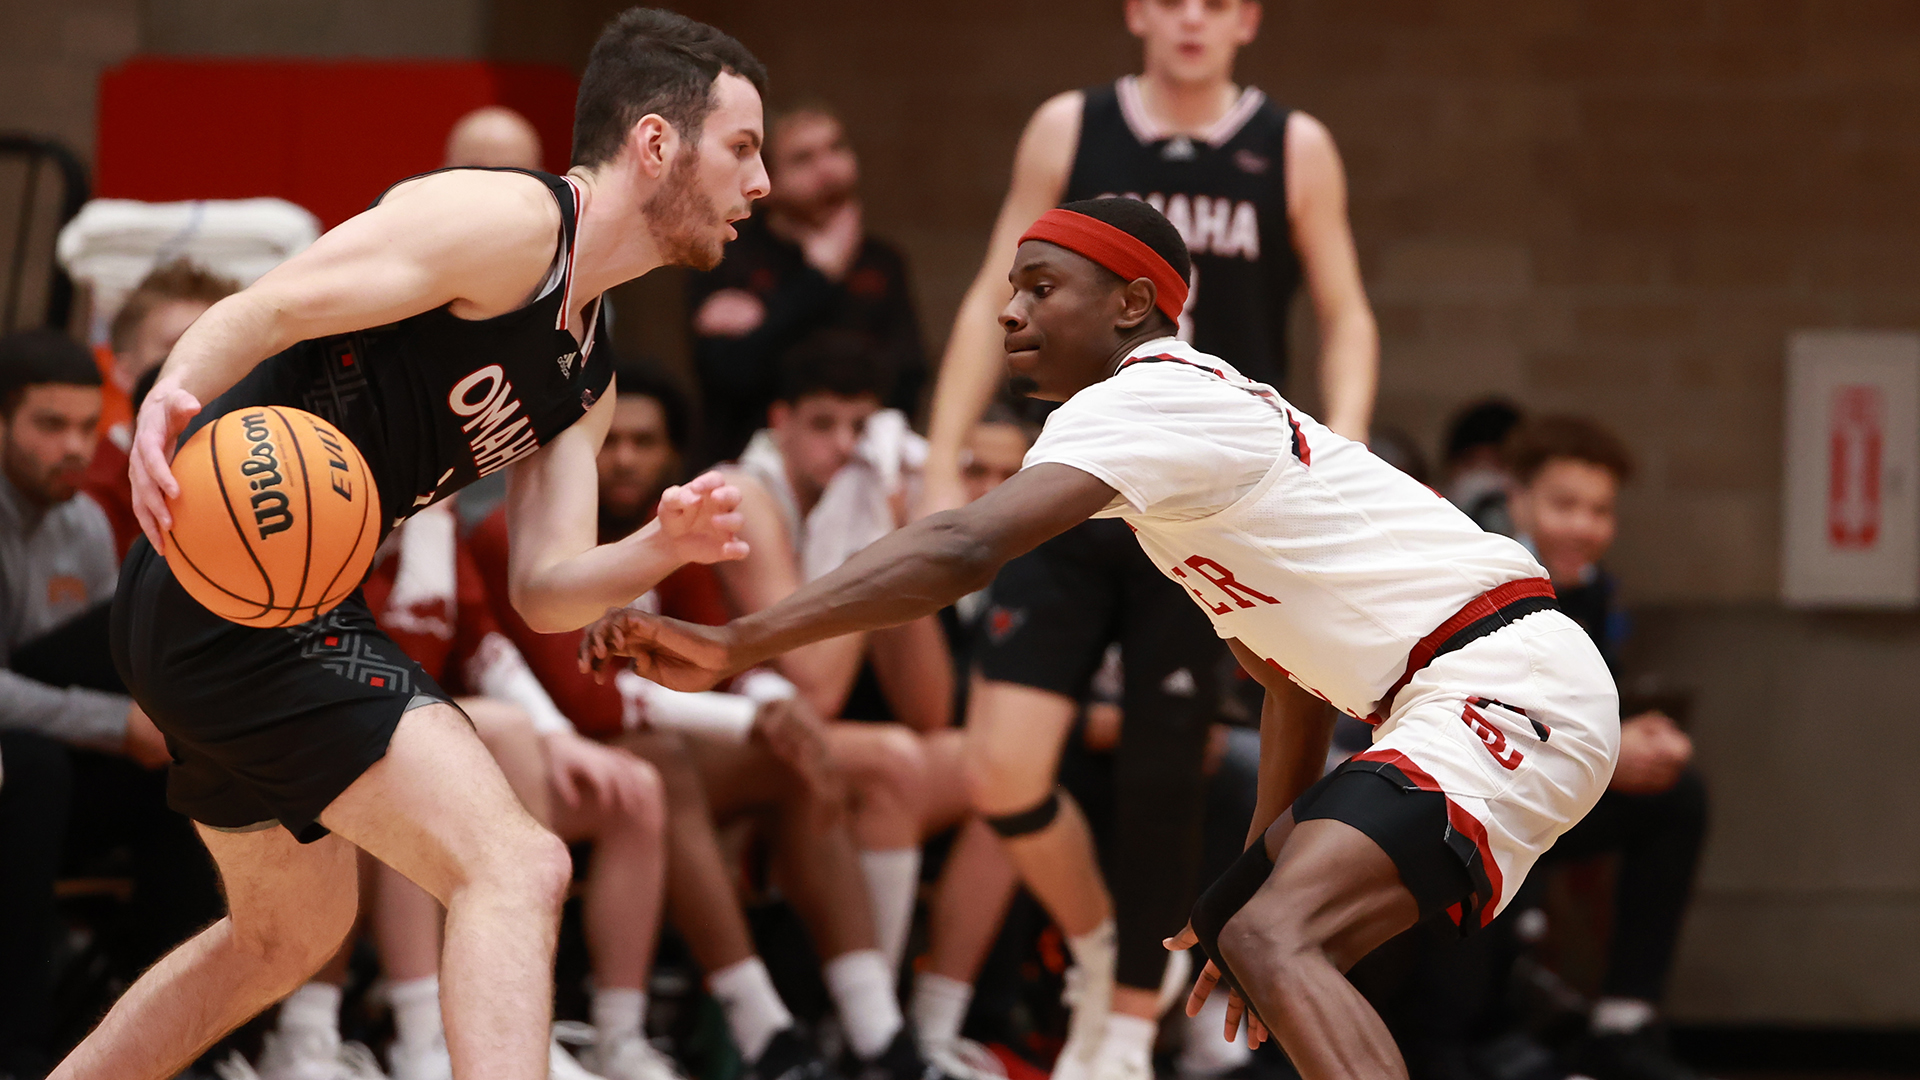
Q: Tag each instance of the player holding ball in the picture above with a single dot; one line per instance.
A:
(447, 333)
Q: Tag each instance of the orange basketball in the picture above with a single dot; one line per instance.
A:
(277, 517)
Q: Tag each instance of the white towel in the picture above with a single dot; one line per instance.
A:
(113, 243)
(857, 506)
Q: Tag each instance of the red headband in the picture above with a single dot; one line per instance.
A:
(1117, 250)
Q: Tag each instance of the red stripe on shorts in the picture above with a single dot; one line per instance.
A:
(1463, 823)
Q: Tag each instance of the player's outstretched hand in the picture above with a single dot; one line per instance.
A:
(675, 654)
(1203, 987)
(701, 520)
(163, 416)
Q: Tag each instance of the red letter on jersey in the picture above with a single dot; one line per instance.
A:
(1223, 577)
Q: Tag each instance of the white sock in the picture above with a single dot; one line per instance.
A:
(315, 1006)
(1128, 1038)
(939, 1007)
(617, 1011)
(1096, 950)
(862, 988)
(1206, 1053)
(893, 880)
(416, 1010)
(754, 1010)
(1620, 1016)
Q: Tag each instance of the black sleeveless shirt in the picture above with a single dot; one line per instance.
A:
(434, 402)
(1227, 194)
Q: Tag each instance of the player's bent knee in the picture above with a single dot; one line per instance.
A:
(1026, 822)
(901, 761)
(1223, 935)
(999, 779)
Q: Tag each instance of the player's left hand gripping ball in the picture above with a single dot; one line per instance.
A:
(701, 520)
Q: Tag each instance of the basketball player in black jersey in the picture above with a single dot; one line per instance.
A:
(1259, 194)
(449, 331)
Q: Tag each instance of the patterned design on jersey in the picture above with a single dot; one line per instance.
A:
(344, 382)
(1465, 834)
(349, 654)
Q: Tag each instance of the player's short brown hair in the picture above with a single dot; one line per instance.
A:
(652, 61)
(1540, 440)
(179, 279)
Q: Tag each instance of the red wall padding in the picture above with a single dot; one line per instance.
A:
(329, 135)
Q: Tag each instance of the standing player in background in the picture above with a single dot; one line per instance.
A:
(448, 331)
(1259, 195)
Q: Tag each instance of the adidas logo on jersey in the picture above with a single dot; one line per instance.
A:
(1210, 226)
(566, 364)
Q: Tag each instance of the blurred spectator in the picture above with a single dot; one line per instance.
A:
(80, 755)
(724, 757)
(143, 333)
(1566, 476)
(1475, 477)
(803, 262)
(493, 137)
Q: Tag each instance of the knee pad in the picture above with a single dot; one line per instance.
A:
(1224, 899)
(1028, 821)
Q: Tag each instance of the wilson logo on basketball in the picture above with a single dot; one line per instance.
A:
(262, 469)
(277, 517)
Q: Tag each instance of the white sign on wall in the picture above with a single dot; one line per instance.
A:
(1852, 513)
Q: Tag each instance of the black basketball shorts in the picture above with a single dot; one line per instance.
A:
(264, 725)
(1052, 613)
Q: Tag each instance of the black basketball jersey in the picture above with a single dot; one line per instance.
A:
(434, 402)
(1227, 194)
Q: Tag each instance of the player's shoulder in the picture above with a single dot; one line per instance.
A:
(1062, 107)
(492, 201)
(1306, 134)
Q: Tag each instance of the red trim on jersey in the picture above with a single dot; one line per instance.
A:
(1489, 603)
(1117, 250)
(573, 245)
(1463, 823)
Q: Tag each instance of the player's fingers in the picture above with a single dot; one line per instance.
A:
(1182, 941)
(1235, 1010)
(725, 497)
(705, 482)
(1256, 1031)
(1202, 988)
(729, 522)
(734, 549)
(563, 785)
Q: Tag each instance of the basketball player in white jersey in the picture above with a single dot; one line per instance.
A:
(1497, 724)
(1258, 193)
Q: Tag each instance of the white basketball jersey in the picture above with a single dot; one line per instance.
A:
(1318, 556)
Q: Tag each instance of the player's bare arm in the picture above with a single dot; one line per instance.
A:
(1349, 340)
(480, 242)
(824, 671)
(972, 368)
(558, 577)
(912, 572)
(1293, 741)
